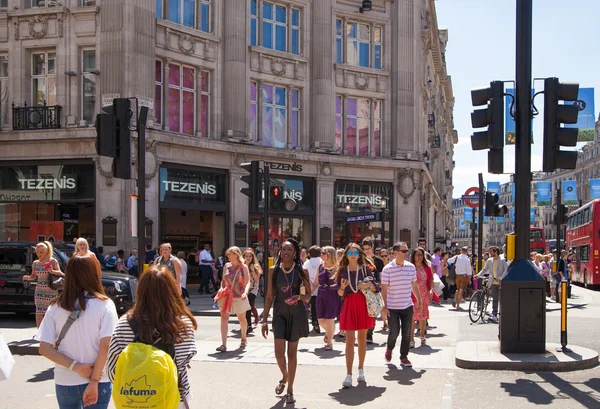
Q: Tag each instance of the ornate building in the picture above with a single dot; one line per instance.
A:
(352, 112)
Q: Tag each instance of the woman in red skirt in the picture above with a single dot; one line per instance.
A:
(354, 275)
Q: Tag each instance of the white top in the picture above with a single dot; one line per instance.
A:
(399, 279)
(205, 255)
(462, 264)
(183, 272)
(82, 341)
(312, 266)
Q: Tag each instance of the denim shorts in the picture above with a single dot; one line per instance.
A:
(71, 397)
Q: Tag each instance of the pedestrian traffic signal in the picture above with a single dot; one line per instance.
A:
(556, 114)
(491, 206)
(253, 191)
(493, 118)
(563, 214)
(121, 166)
(106, 137)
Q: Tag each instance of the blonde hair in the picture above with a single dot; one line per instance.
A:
(49, 247)
(235, 250)
(331, 254)
(87, 246)
(254, 261)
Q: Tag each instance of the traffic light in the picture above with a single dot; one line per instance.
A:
(556, 114)
(493, 117)
(106, 137)
(122, 162)
(491, 206)
(253, 191)
(563, 214)
(275, 197)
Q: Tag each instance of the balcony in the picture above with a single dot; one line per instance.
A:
(431, 121)
(36, 117)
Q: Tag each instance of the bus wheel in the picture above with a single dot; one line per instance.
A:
(585, 280)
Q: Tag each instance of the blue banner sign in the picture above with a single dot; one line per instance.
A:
(586, 121)
(569, 190)
(512, 214)
(595, 188)
(544, 194)
(532, 215)
(493, 187)
(462, 226)
(468, 215)
(509, 122)
(361, 218)
(512, 189)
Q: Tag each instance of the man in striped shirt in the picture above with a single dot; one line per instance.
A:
(398, 282)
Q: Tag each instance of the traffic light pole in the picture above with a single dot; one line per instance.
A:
(141, 182)
(266, 183)
(559, 221)
(523, 128)
(473, 232)
(480, 232)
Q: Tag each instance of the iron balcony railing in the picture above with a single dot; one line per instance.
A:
(36, 117)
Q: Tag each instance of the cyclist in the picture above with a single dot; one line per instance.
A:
(495, 268)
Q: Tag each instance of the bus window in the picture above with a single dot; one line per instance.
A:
(584, 253)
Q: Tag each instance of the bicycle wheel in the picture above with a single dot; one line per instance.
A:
(476, 306)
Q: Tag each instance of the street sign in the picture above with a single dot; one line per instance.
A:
(361, 218)
(471, 197)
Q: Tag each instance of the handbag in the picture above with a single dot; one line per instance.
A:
(55, 282)
(438, 286)
(7, 362)
(374, 300)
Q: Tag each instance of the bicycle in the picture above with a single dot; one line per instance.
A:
(479, 302)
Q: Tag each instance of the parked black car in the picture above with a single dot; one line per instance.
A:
(16, 295)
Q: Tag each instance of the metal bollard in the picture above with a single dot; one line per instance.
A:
(563, 317)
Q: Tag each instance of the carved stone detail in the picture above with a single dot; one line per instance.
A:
(61, 26)
(107, 175)
(406, 183)
(187, 44)
(16, 28)
(278, 67)
(361, 82)
(326, 169)
(151, 147)
(34, 23)
(239, 159)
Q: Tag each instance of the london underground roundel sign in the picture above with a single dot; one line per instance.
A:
(471, 197)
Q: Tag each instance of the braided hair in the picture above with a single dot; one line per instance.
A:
(297, 262)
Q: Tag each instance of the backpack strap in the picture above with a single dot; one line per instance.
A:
(72, 318)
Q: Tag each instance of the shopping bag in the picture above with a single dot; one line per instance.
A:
(7, 362)
(438, 286)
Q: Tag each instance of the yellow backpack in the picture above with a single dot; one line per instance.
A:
(146, 376)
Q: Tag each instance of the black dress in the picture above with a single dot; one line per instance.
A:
(290, 322)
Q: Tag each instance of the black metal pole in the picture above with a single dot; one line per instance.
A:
(141, 181)
(558, 220)
(523, 128)
(473, 232)
(480, 232)
(267, 181)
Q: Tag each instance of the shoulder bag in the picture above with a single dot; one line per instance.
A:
(374, 300)
(57, 283)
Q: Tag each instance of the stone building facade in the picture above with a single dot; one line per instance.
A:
(352, 112)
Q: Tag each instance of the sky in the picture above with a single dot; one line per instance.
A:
(481, 48)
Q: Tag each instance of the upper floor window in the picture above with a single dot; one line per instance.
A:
(88, 2)
(88, 85)
(43, 78)
(274, 115)
(275, 26)
(189, 13)
(359, 125)
(3, 5)
(359, 44)
(3, 91)
(42, 3)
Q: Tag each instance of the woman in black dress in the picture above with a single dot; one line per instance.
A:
(288, 286)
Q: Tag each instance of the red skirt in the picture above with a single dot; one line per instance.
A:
(355, 315)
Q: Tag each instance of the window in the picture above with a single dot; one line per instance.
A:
(43, 78)
(88, 2)
(362, 132)
(88, 92)
(363, 44)
(3, 5)
(279, 26)
(274, 103)
(204, 102)
(3, 91)
(184, 12)
(41, 3)
(179, 114)
(584, 253)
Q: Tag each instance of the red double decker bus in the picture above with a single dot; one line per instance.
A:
(583, 237)
(537, 240)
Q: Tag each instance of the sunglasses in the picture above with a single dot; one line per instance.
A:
(353, 253)
(403, 251)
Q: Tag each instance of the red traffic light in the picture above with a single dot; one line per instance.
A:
(276, 192)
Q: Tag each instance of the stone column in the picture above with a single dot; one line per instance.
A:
(402, 78)
(324, 211)
(322, 113)
(235, 93)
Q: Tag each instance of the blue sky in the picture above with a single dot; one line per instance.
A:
(481, 48)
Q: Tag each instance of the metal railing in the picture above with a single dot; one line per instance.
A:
(36, 117)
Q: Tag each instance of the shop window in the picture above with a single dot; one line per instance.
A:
(88, 85)
(363, 44)
(184, 12)
(274, 103)
(279, 26)
(4, 91)
(362, 132)
(180, 107)
(43, 78)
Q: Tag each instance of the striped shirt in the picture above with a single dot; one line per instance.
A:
(184, 351)
(399, 279)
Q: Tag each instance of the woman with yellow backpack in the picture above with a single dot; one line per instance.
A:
(151, 347)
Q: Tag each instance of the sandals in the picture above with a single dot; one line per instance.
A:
(222, 348)
(411, 344)
(423, 341)
(289, 399)
(244, 343)
(328, 347)
(280, 387)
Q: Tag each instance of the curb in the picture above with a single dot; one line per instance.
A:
(551, 361)
(16, 349)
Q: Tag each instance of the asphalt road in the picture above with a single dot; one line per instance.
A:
(248, 378)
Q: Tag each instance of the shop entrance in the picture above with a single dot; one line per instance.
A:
(378, 231)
